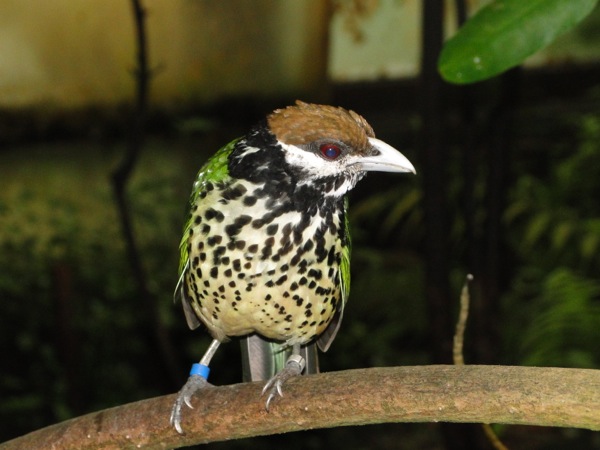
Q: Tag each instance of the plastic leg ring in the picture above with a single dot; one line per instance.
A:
(200, 370)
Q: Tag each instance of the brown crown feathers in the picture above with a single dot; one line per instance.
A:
(304, 123)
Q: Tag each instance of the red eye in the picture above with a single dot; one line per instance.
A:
(330, 151)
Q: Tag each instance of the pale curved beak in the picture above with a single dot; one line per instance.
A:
(388, 160)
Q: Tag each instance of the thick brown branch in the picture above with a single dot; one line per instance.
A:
(492, 394)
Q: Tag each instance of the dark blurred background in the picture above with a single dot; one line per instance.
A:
(86, 313)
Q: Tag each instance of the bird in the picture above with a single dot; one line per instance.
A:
(265, 253)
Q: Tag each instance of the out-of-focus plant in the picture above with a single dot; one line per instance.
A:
(559, 217)
(67, 297)
(503, 33)
(554, 223)
(564, 318)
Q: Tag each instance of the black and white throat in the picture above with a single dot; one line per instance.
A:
(298, 174)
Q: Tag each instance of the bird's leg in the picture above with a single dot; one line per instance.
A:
(293, 367)
(196, 381)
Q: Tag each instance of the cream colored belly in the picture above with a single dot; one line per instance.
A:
(247, 289)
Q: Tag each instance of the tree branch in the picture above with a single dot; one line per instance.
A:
(489, 394)
(121, 177)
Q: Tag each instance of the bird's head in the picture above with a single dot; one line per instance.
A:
(326, 146)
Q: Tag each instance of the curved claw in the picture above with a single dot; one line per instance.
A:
(274, 385)
(193, 384)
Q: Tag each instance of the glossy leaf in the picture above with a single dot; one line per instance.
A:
(505, 32)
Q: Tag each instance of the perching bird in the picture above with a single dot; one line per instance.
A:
(266, 248)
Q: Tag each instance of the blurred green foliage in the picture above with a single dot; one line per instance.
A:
(554, 222)
(71, 323)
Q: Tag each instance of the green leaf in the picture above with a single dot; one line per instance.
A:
(537, 227)
(589, 245)
(403, 208)
(505, 32)
(562, 233)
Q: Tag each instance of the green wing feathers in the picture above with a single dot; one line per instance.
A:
(325, 340)
(345, 266)
(215, 169)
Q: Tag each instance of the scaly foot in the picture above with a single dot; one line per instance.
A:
(293, 367)
(193, 384)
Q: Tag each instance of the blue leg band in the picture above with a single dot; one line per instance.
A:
(201, 370)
